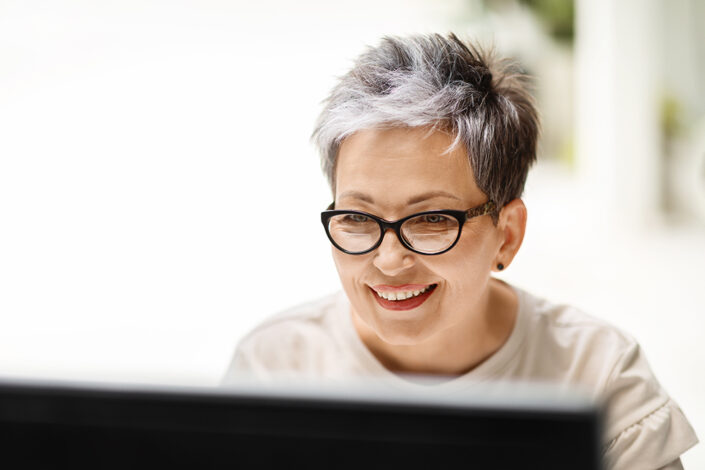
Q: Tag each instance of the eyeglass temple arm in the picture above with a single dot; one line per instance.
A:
(487, 208)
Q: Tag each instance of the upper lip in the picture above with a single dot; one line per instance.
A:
(400, 288)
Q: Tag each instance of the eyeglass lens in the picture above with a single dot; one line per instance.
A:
(427, 233)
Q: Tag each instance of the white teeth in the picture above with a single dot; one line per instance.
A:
(401, 295)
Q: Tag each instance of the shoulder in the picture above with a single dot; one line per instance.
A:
(296, 341)
(303, 326)
(571, 346)
(644, 427)
(312, 316)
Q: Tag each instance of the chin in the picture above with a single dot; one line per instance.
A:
(403, 332)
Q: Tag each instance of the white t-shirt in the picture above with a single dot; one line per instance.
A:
(645, 429)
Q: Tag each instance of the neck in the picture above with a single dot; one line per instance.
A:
(456, 350)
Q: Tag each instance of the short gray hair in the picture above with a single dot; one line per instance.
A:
(447, 84)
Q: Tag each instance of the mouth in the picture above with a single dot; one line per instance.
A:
(404, 297)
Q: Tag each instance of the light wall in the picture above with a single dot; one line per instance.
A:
(159, 196)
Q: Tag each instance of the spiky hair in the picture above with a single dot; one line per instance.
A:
(442, 83)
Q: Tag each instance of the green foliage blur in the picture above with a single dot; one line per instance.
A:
(557, 15)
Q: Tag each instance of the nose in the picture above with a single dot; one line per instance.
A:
(391, 257)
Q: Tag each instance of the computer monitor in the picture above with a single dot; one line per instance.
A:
(56, 425)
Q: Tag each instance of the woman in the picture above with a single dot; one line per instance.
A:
(426, 144)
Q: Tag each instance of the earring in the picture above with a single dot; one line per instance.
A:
(500, 266)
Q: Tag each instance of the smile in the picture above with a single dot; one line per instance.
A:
(403, 297)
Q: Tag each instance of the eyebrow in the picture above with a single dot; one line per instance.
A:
(414, 200)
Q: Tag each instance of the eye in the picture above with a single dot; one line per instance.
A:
(434, 218)
(356, 218)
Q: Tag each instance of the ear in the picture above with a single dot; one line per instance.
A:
(511, 227)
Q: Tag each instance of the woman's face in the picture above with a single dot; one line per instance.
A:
(393, 173)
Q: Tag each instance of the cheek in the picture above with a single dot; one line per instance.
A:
(466, 267)
(349, 267)
(351, 271)
(341, 261)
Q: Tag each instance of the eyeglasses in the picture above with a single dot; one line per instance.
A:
(426, 233)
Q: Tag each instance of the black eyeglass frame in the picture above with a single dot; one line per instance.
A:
(461, 216)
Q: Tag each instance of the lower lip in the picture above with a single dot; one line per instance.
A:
(406, 304)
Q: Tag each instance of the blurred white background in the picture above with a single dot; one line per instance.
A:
(159, 196)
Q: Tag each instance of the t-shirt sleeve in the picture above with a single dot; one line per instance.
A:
(242, 367)
(267, 355)
(645, 428)
(288, 349)
(675, 465)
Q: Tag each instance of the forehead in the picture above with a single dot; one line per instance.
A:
(394, 165)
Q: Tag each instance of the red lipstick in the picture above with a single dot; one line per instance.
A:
(406, 304)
